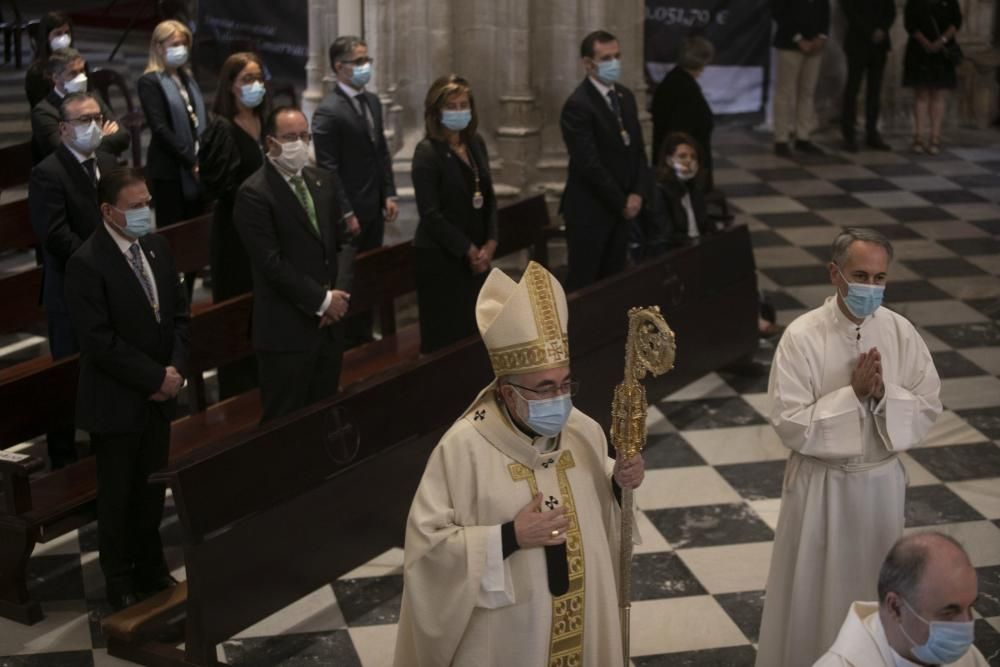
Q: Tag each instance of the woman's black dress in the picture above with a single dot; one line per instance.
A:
(931, 18)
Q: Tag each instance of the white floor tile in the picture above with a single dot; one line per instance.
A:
(708, 386)
(950, 429)
(808, 236)
(390, 562)
(806, 188)
(316, 612)
(924, 183)
(947, 229)
(652, 539)
(768, 510)
(836, 172)
(981, 539)
(916, 474)
(987, 358)
(681, 624)
(768, 204)
(970, 287)
(775, 256)
(857, 216)
(985, 211)
(738, 444)
(931, 313)
(684, 487)
(971, 392)
(759, 402)
(919, 249)
(375, 644)
(731, 568)
(66, 627)
(891, 199)
(982, 494)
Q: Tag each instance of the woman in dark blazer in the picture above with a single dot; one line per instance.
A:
(175, 113)
(931, 25)
(54, 32)
(457, 233)
(680, 182)
(230, 152)
(679, 105)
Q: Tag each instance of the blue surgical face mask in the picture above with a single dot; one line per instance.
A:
(138, 221)
(252, 94)
(946, 643)
(176, 56)
(361, 75)
(456, 121)
(547, 416)
(609, 71)
(862, 300)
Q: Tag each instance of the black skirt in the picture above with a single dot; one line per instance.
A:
(926, 70)
(447, 290)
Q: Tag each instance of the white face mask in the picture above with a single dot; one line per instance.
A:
(682, 174)
(87, 138)
(77, 84)
(176, 56)
(294, 155)
(60, 42)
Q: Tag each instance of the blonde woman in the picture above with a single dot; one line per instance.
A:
(175, 113)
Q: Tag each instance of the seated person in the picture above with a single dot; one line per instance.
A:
(926, 590)
(682, 214)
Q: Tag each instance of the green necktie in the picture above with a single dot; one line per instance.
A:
(305, 198)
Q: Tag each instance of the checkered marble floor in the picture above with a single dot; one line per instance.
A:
(712, 492)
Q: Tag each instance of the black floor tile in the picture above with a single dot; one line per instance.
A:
(792, 220)
(898, 170)
(729, 656)
(955, 463)
(783, 174)
(662, 575)
(977, 334)
(935, 504)
(984, 420)
(57, 577)
(897, 291)
(820, 252)
(975, 180)
(747, 379)
(369, 600)
(797, 276)
(783, 300)
(748, 190)
(761, 239)
(993, 165)
(669, 450)
(865, 185)
(967, 247)
(918, 213)
(824, 202)
(988, 226)
(988, 307)
(940, 197)
(898, 232)
(57, 659)
(755, 481)
(943, 267)
(709, 413)
(987, 640)
(294, 650)
(988, 603)
(710, 525)
(745, 609)
(819, 160)
(950, 364)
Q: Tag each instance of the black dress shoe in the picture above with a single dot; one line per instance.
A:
(119, 601)
(808, 147)
(149, 587)
(781, 149)
(851, 145)
(876, 143)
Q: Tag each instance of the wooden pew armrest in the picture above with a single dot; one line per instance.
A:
(126, 624)
(15, 469)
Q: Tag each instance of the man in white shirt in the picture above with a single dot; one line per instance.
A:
(852, 385)
(926, 590)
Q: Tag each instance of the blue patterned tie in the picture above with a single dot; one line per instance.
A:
(135, 261)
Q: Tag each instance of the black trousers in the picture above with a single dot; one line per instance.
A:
(171, 208)
(129, 509)
(863, 62)
(597, 249)
(61, 442)
(292, 380)
(358, 328)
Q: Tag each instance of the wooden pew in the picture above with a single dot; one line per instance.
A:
(19, 300)
(16, 161)
(330, 486)
(15, 226)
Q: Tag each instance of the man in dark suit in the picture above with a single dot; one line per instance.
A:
(68, 71)
(609, 176)
(131, 315)
(62, 201)
(866, 46)
(350, 143)
(287, 215)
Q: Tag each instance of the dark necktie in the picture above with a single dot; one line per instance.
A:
(135, 261)
(615, 106)
(366, 113)
(91, 167)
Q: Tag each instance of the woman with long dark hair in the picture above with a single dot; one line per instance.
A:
(55, 31)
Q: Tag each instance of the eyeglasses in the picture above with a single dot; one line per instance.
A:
(363, 60)
(80, 121)
(306, 137)
(571, 388)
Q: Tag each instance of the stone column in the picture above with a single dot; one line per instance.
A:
(316, 66)
(518, 132)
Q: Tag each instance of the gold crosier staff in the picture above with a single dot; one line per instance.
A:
(650, 348)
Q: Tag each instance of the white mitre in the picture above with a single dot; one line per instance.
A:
(523, 324)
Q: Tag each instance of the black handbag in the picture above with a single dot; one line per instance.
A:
(952, 52)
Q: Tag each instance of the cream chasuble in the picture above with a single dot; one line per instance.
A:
(862, 643)
(463, 603)
(842, 504)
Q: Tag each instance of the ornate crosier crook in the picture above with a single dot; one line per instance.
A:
(649, 348)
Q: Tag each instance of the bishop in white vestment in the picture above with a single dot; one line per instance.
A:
(848, 391)
(480, 588)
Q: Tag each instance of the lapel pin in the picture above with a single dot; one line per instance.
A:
(152, 254)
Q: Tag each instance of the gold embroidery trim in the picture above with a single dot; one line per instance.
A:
(566, 638)
(551, 348)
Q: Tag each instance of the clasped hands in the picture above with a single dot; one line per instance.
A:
(866, 379)
(811, 45)
(172, 383)
(480, 258)
(535, 528)
(633, 204)
(339, 302)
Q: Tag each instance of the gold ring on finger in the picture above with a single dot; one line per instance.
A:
(555, 533)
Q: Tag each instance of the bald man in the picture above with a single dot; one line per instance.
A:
(926, 589)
